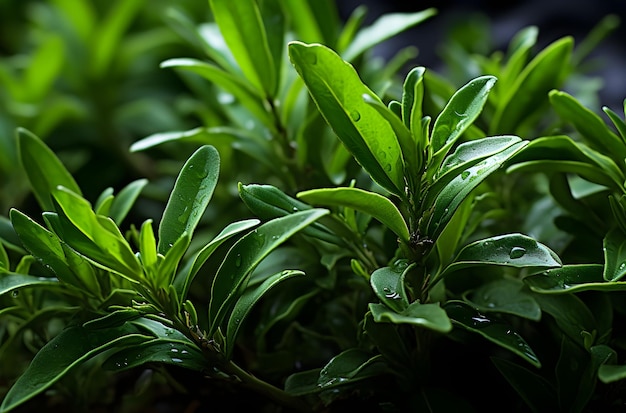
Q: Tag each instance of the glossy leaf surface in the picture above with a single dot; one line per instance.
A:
(190, 197)
(68, 349)
(43, 168)
(338, 92)
(455, 192)
(429, 315)
(368, 202)
(491, 328)
(505, 296)
(244, 257)
(571, 279)
(388, 285)
(246, 302)
(614, 255)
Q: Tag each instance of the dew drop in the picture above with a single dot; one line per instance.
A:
(465, 174)
(355, 115)
(176, 360)
(238, 260)
(15, 293)
(622, 266)
(517, 252)
(174, 350)
(294, 209)
(388, 167)
(479, 321)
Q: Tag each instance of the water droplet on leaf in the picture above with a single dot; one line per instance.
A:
(238, 260)
(355, 115)
(517, 252)
(465, 174)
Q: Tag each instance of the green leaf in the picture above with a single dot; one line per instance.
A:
(465, 156)
(338, 93)
(385, 27)
(519, 49)
(570, 313)
(44, 170)
(246, 302)
(246, 254)
(505, 296)
(125, 199)
(268, 202)
(190, 197)
(610, 373)
(241, 25)
(562, 153)
(530, 91)
(70, 348)
(573, 278)
(493, 329)
(106, 245)
(44, 67)
(10, 281)
(349, 365)
(247, 96)
(313, 21)
(619, 123)
(459, 113)
(591, 126)
(430, 316)
(538, 393)
(184, 278)
(454, 193)
(368, 202)
(510, 250)
(162, 351)
(110, 32)
(614, 255)
(147, 245)
(115, 319)
(388, 285)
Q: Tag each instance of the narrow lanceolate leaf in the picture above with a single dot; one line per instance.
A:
(491, 328)
(245, 256)
(338, 93)
(465, 156)
(572, 279)
(510, 250)
(184, 278)
(70, 348)
(10, 281)
(450, 197)
(183, 354)
(430, 316)
(105, 243)
(590, 125)
(619, 123)
(190, 197)
(125, 199)
(387, 26)
(614, 255)
(243, 92)
(241, 25)
(44, 170)
(246, 302)
(530, 91)
(460, 112)
(370, 203)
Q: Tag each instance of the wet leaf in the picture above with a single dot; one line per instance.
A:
(183, 354)
(376, 205)
(490, 327)
(505, 296)
(10, 282)
(246, 302)
(614, 255)
(388, 285)
(246, 254)
(338, 91)
(190, 197)
(70, 348)
(429, 315)
(571, 279)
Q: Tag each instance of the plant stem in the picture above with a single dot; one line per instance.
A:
(280, 396)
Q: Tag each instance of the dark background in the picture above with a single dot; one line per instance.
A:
(554, 18)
